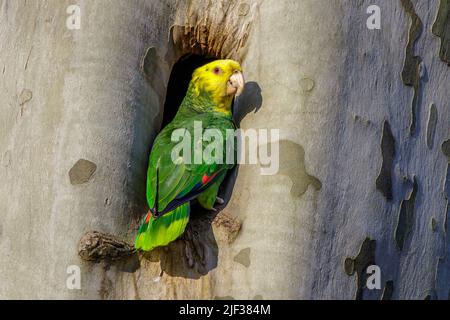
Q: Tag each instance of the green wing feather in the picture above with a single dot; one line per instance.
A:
(175, 180)
(207, 199)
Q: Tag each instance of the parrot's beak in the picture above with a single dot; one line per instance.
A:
(235, 84)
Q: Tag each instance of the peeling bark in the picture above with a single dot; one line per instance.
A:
(411, 73)
(441, 29)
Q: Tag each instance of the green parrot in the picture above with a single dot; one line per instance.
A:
(173, 183)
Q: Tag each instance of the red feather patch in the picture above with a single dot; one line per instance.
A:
(206, 178)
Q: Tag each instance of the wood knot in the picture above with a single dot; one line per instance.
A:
(96, 246)
(226, 227)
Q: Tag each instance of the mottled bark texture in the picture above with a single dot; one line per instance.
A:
(364, 149)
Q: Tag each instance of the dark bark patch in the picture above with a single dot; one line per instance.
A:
(384, 179)
(446, 149)
(441, 29)
(243, 257)
(25, 96)
(258, 297)
(130, 264)
(447, 213)
(433, 224)
(447, 184)
(349, 266)
(82, 171)
(431, 295)
(411, 70)
(292, 165)
(388, 290)
(358, 119)
(431, 127)
(406, 217)
(224, 298)
(359, 264)
(447, 196)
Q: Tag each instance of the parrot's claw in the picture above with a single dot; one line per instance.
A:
(220, 200)
(213, 209)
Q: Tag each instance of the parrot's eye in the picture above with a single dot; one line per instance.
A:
(217, 70)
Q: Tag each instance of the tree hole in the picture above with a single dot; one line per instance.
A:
(178, 83)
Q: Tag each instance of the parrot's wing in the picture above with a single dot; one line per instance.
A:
(172, 183)
(198, 189)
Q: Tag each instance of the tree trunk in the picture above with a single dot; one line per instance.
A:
(364, 175)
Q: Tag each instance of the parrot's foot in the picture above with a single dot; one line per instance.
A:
(219, 201)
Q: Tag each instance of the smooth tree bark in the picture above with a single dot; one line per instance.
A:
(364, 172)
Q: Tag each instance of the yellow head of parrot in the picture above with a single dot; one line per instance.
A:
(222, 80)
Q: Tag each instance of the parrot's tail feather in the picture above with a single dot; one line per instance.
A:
(158, 232)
